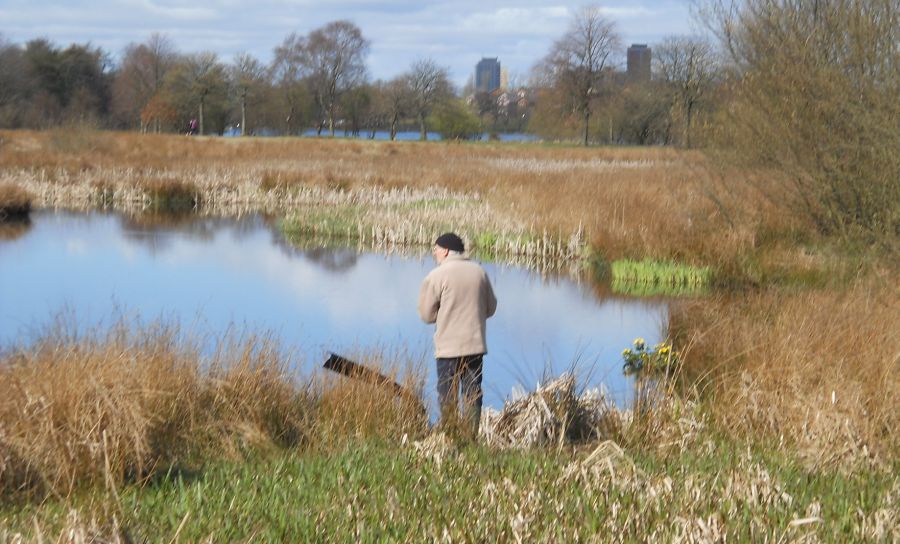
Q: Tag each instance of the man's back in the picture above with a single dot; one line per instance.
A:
(458, 297)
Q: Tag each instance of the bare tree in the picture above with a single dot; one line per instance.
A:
(248, 76)
(688, 67)
(397, 102)
(140, 77)
(334, 56)
(814, 89)
(577, 61)
(288, 73)
(428, 84)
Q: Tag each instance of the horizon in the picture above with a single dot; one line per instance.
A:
(454, 34)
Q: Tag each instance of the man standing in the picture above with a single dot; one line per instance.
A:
(457, 297)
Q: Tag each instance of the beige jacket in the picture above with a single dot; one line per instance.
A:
(458, 297)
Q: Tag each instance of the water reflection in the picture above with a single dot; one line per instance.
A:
(14, 228)
(215, 273)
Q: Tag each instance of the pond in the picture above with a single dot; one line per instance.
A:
(209, 274)
(403, 135)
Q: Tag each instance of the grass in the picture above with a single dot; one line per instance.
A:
(377, 491)
(171, 196)
(415, 223)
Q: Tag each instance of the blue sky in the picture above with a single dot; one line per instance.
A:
(455, 33)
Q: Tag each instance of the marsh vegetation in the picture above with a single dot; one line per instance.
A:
(789, 382)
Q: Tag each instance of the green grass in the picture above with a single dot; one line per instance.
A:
(374, 491)
(658, 277)
(340, 222)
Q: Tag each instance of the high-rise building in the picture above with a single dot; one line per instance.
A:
(639, 62)
(487, 74)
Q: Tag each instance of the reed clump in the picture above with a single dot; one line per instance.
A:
(105, 409)
(658, 277)
(172, 195)
(15, 202)
(555, 414)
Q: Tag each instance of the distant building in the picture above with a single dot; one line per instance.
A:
(639, 62)
(487, 75)
(504, 79)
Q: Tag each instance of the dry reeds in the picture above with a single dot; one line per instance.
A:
(120, 406)
(627, 202)
(350, 408)
(818, 372)
(553, 415)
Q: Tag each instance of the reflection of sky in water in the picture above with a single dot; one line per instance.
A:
(213, 273)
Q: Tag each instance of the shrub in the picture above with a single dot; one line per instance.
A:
(815, 88)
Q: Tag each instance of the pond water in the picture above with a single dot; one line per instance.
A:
(209, 274)
(404, 135)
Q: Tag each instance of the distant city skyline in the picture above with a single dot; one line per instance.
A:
(456, 34)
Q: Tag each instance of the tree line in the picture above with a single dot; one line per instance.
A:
(320, 81)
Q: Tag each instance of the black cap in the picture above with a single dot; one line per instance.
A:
(450, 241)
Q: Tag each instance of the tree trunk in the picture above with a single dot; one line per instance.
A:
(201, 116)
(331, 120)
(423, 134)
(393, 128)
(587, 119)
(243, 115)
(687, 125)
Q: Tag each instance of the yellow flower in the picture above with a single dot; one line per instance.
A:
(663, 350)
(638, 343)
(626, 351)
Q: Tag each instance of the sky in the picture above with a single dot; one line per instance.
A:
(455, 33)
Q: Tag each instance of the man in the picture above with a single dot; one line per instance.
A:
(457, 297)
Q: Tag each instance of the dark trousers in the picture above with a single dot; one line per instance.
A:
(459, 385)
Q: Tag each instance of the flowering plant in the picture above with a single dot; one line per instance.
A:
(661, 358)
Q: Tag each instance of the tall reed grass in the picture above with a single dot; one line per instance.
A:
(817, 371)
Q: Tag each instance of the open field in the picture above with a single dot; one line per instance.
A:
(786, 404)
